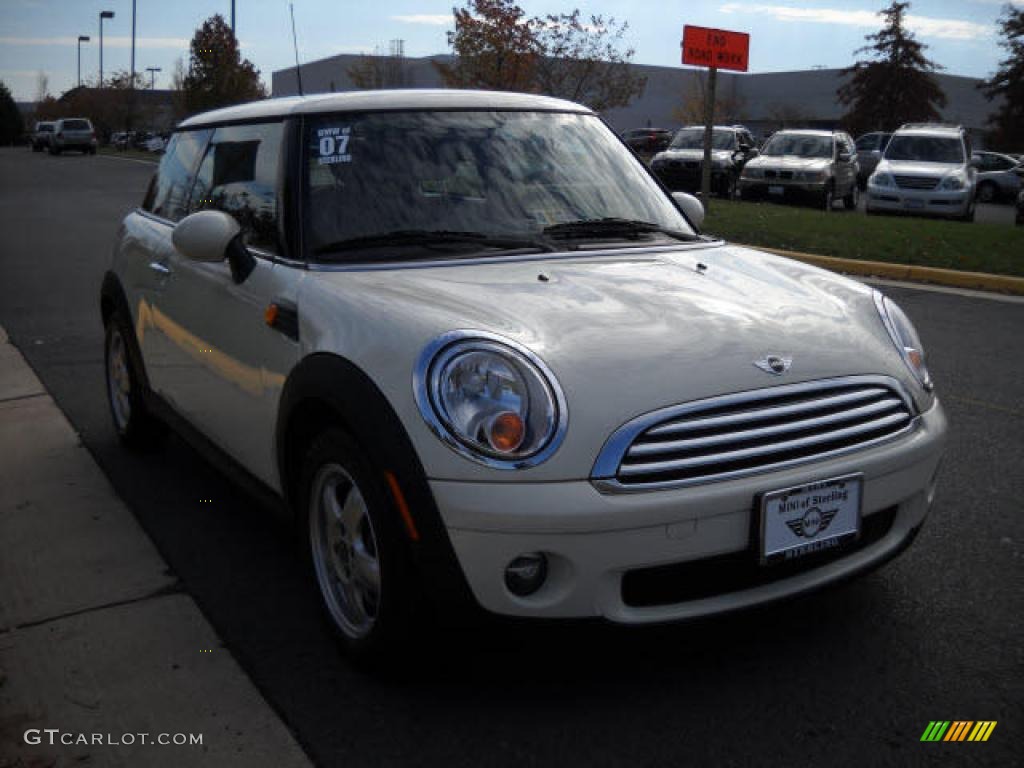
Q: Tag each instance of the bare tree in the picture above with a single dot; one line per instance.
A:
(728, 107)
(379, 70)
(586, 62)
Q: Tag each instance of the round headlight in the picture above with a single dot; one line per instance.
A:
(491, 399)
(904, 336)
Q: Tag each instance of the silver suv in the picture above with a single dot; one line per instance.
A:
(73, 133)
(927, 170)
(814, 166)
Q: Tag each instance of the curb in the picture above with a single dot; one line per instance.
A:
(953, 278)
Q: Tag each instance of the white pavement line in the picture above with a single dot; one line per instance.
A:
(93, 637)
(969, 293)
(128, 159)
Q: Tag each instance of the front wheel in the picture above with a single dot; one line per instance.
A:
(356, 547)
(850, 200)
(827, 198)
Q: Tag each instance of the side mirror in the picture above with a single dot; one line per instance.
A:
(692, 207)
(745, 148)
(845, 157)
(205, 235)
(975, 162)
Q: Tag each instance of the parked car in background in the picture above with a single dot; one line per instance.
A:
(804, 165)
(155, 143)
(580, 407)
(679, 166)
(73, 133)
(647, 141)
(927, 170)
(870, 147)
(41, 136)
(999, 176)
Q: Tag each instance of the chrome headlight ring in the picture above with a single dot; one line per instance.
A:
(904, 337)
(490, 399)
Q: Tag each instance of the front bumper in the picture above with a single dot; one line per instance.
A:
(597, 544)
(931, 202)
(782, 189)
(686, 176)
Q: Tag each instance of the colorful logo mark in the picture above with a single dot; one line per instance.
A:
(958, 730)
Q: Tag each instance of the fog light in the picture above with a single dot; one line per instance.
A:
(526, 574)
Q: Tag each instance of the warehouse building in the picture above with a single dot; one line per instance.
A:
(763, 102)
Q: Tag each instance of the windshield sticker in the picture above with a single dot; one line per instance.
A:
(332, 144)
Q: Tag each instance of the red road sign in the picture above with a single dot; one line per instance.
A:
(703, 47)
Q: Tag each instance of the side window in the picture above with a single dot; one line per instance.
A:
(168, 192)
(238, 175)
(867, 143)
(885, 141)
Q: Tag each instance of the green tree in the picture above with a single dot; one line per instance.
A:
(494, 46)
(1008, 82)
(11, 126)
(895, 85)
(218, 76)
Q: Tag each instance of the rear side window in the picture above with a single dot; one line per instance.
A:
(238, 175)
(76, 125)
(168, 192)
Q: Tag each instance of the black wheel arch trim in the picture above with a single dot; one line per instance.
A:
(325, 388)
(113, 298)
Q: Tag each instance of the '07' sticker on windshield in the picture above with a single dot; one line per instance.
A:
(333, 145)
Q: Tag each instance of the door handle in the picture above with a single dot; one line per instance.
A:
(159, 268)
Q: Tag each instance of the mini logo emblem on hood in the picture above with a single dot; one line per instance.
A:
(774, 364)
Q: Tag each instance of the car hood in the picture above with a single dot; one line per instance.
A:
(624, 333)
(720, 155)
(790, 163)
(911, 168)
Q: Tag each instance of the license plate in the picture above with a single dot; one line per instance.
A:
(913, 204)
(776, 190)
(810, 518)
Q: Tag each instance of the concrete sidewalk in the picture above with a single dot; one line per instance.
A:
(97, 640)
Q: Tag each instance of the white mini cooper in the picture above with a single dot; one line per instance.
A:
(486, 359)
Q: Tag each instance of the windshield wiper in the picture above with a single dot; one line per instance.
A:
(430, 237)
(612, 227)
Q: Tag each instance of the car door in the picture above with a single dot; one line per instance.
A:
(234, 364)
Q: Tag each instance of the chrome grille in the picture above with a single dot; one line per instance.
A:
(748, 432)
(916, 182)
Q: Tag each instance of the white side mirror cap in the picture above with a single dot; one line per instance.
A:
(205, 235)
(692, 207)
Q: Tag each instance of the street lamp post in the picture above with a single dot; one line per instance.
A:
(233, 17)
(103, 15)
(81, 39)
(152, 76)
(133, 45)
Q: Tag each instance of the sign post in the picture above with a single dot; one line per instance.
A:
(715, 49)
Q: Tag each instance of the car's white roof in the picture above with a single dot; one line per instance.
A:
(808, 132)
(433, 98)
(925, 129)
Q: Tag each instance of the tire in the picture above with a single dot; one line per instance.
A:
(54, 150)
(987, 192)
(827, 198)
(850, 201)
(136, 427)
(356, 548)
(36, 148)
(969, 216)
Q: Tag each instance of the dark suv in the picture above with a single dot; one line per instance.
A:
(647, 141)
(679, 166)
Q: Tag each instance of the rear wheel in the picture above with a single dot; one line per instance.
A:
(136, 427)
(987, 192)
(356, 547)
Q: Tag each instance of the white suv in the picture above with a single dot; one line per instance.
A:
(486, 360)
(926, 169)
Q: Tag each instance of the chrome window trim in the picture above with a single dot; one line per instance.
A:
(425, 373)
(603, 476)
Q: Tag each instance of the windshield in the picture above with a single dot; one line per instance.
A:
(799, 145)
(693, 138)
(508, 176)
(925, 149)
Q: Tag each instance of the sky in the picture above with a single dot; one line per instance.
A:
(41, 35)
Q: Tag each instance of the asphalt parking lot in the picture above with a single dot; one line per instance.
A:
(850, 676)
